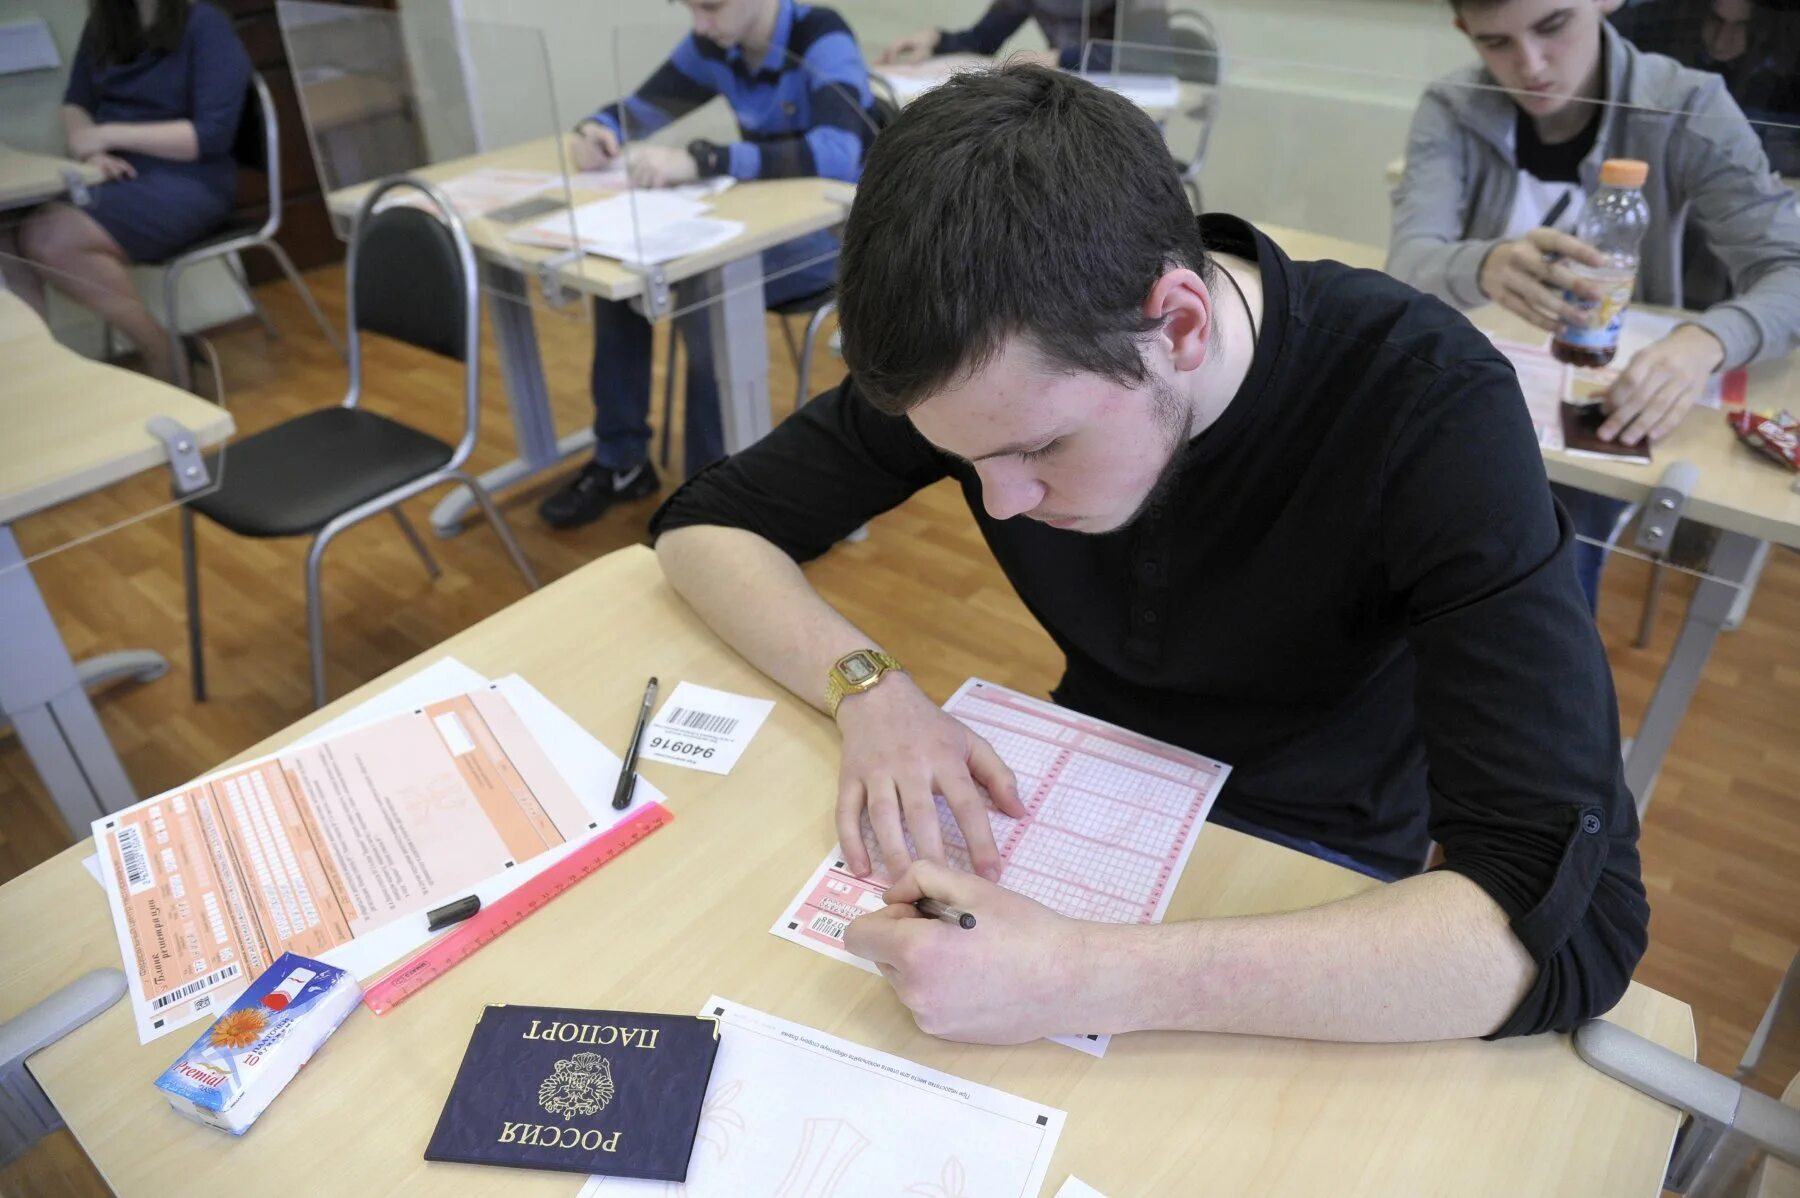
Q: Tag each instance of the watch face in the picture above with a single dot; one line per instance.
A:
(857, 668)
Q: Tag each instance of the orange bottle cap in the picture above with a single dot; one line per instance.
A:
(1623, 172)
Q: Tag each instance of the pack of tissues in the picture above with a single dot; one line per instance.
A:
(238, 1065)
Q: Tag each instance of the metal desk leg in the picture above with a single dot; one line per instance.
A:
(741, 352)
(534, 425)
(41, 693)
(1718, 603)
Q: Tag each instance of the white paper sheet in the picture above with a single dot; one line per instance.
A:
(1074, 1187)
(639, 227)
(480, 191)
(614, 178)
(792, 1111)
(704, 729)
(1111, 820)
(441, 679)
(590, 769)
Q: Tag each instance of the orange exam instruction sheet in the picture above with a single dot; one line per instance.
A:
(309, 848)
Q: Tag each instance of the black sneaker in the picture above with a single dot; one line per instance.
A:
(585, 498)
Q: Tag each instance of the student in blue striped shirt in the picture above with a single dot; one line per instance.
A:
(799, 88)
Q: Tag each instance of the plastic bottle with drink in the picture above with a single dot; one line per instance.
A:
(1612, 221)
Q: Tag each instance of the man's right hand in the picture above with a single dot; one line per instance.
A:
(900, 751)
(1529, 276)
(593, 145)
(916, 46)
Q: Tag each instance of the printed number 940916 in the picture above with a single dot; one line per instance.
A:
(685, 748)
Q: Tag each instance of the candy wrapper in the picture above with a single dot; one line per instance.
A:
(238, 1066)
(1774, 435)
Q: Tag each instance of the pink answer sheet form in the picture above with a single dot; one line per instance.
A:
(1110, 821)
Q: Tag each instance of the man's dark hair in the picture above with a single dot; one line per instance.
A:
(1018, 201)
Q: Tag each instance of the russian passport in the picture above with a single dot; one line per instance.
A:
(610, 1092)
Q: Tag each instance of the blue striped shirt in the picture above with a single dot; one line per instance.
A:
(805, 109)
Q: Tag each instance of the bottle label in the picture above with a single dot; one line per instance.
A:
(1604, 316)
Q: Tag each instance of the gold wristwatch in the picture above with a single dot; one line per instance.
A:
(854, 673)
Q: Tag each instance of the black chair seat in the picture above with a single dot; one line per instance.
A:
(297, 477)
(806, 305)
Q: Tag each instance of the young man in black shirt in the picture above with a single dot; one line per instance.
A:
(1290, 515)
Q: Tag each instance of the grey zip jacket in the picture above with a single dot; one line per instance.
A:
(1707, 171)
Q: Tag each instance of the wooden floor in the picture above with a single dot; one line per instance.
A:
(1721, 845)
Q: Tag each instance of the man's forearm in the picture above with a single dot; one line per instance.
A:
(754, 596)
(1427, 958)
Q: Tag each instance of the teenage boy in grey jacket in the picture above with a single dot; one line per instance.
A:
(1491, 151)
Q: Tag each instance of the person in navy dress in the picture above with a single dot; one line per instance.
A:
(155, 94)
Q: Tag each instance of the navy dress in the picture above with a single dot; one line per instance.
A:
(170, 205)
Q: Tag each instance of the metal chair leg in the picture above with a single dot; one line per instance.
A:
(500, 526)
(813, 324)
(315, 615)
(418, 543)
(190, 578)
(243, 285)
(306, 296)
(787, 335)
(1647, 618)
(668, 413)
(184, 375)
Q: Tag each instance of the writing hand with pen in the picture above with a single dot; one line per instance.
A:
(594, 146)
(1001, 981)
(1013, 977)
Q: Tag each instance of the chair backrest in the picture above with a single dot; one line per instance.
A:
(257, 146)
(411, 276)
(1193, 33)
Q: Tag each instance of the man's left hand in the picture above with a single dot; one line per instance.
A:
(660, 166)
(1008, 980)
(1660, 384)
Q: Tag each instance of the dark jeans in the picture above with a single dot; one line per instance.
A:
(622, 359)
(1595, 517)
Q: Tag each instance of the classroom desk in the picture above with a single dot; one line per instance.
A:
(27, 178)
(51, 453)
(686, 914)
(1749, 500)
(906, 82)
(773, 211)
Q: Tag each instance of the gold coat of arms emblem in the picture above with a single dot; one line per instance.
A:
(581, 1085)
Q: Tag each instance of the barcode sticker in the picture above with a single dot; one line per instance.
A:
(704, 729)
(192, 988)
(702, 721)
(135, 861)
(825, 925)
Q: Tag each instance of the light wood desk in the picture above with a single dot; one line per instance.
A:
(906, 82)
(729, 276)
(1750, 501)
(27, 178)
(686, 914)
(70, 426)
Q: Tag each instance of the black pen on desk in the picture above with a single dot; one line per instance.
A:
(628, 769)
(932, 909)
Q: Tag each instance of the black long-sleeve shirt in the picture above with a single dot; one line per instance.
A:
(1358, 591)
